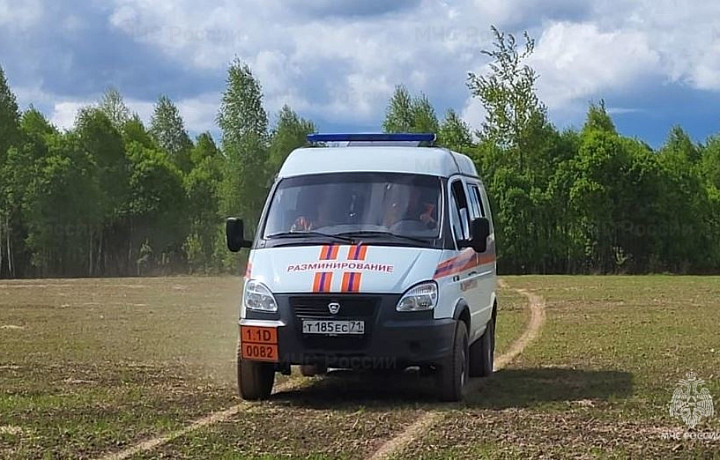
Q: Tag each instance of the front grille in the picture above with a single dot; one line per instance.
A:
(350, 307)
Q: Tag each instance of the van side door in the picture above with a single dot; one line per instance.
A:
(485, 270)
(466, 273)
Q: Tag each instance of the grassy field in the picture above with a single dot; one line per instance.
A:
(89, 367)
(599, 381)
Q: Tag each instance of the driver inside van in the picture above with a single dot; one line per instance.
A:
(314, 212)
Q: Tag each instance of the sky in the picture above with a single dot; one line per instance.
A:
(655, 63)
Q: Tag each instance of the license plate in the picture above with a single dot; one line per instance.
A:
(333, 327)
(259, 343)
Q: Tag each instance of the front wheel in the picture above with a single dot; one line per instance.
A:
(482, 351)
(453, 374)
(255, 380)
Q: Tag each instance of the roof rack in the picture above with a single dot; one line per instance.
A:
(373, 138)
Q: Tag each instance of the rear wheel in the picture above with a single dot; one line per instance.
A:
(482, 351)
(255, 379)
(453, 374)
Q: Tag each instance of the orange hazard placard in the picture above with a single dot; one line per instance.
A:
(257, 334)
(259, 343)
(259, 352)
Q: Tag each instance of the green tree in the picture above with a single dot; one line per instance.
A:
(399, 116)
(424, 117)
(454, 133)
(15, 175)
(105, 146)
(508, 94)
(9, 137)
(289, 133)
(685, 204)
(407, 114)
(244, 123)
(156, 209)
(113, 106)
(59, 206)
(614, 196)
(135, 131)
(202, 189)
(204, 148)
(9, 118)
(241, 112)
(168, 130)
(598, 119)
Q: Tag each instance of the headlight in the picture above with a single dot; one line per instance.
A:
(258, 297)
(419, 298)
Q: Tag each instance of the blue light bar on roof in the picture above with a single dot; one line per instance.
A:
(371, 137)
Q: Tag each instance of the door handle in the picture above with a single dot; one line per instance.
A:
(472, 273)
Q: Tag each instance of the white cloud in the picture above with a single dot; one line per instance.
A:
(577, 62)
(340, 61)
(474, 113)
(685, 35)
(64, 113)
(199, 112)
(20, 14)
(144, 109)
(342, 68)
(345, 67)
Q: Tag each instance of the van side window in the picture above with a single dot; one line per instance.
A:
(476, 203)
(460, 211)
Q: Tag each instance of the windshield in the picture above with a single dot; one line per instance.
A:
(366, 204)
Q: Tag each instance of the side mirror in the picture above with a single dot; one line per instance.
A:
(235, 234)
(479, 232)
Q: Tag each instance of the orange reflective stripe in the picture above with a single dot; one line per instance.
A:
(322, 282)
(351, 282)
(329, 252)
(358, 252)
(466, 260)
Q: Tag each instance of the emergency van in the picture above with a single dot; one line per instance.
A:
(373, 251)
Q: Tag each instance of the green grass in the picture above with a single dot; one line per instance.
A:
(90, 365)
(343, 415)
(599, 381)
(99, 365)
(513, 317)
(93, 366)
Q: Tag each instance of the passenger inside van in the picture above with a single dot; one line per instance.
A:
(407, 205)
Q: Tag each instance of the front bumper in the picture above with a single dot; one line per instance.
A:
(391, 340)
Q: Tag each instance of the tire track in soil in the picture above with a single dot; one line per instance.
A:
(390, 447)
(211, 419)
(431, 418)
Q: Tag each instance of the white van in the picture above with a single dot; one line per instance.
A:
(379, 253)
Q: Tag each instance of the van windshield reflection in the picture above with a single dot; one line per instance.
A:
(356, 205)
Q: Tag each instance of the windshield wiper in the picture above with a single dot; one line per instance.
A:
(371, 233)
(344, 239)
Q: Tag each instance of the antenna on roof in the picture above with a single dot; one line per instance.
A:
(405, 139)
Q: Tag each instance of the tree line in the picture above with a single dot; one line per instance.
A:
(113, 197)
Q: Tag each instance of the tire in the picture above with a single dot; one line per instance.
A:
(255, 379)
(311, 370)
(482, 352)
(453, 374)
